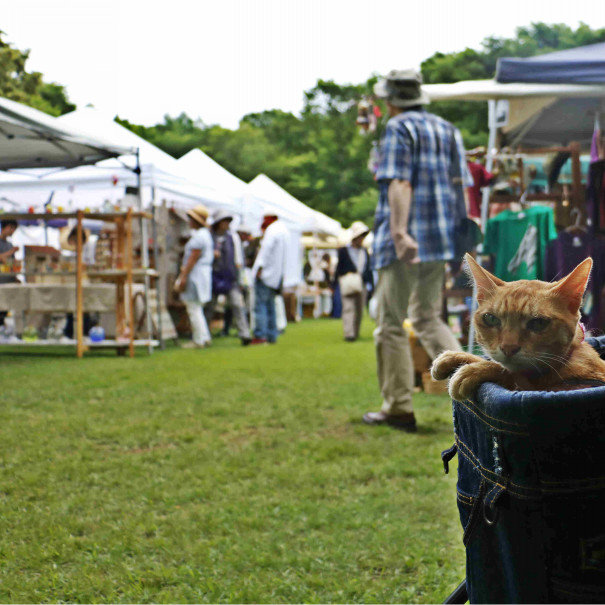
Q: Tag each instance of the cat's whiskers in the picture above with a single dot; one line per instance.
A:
(548, 365)
(554, 357)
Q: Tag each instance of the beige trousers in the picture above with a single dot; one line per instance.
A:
(352, 312)
(414, 292)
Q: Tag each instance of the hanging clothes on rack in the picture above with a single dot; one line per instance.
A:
(481, 178)
(518, 240)
(568, 251)
(595, 194)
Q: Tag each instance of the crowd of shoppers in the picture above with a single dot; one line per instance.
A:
(413, 238)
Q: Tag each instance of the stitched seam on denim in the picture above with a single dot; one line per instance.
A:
(595, 480)
(465, 499)
(482, 471)
(503, 430)
(479, 411)
(514, 488)
(474, 516)
(574, 488)
(493, 490)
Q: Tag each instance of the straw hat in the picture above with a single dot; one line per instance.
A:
(199, 214)
(358, 228)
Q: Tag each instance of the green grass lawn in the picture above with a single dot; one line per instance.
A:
(221, 475)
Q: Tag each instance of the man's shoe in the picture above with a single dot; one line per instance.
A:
(246, 340)
(403, 422)
(258, 341)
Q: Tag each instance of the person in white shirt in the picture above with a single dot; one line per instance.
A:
(195, 279)
(268, 270)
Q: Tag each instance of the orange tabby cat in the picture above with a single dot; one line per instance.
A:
(531, 332)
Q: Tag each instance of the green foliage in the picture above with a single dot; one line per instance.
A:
(229, 475)
(320, 157)
(469, 64)
(17, 84)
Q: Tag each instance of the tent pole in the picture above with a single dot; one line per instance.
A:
(144, 256)
(489, 164)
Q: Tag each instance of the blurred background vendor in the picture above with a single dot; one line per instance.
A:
(7, 251)
(355, 279)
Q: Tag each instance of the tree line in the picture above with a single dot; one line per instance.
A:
(320, 156)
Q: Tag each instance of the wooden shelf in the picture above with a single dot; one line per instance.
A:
(104, 344)
(121, 273)
(49, 216)
(123, 278)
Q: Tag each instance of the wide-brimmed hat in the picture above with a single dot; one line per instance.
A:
(402, 88)
(220, 215)
(199, 214)
(358, 228)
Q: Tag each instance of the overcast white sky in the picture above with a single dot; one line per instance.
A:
(220, 59)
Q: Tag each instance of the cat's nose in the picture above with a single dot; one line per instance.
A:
(510, 350)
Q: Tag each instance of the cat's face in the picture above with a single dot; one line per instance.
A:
(528, 326)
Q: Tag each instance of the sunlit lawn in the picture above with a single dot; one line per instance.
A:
(222, 475)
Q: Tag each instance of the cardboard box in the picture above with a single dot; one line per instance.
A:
(433, 387)
(422, 362)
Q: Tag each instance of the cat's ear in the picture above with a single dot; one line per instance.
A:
(572, 287)
(486, 282)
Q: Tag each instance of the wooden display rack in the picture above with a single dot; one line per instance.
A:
(576, 192)
(122, 275)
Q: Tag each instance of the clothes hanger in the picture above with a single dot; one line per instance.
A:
(578, 226)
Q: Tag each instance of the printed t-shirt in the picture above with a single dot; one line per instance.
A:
(518, 240)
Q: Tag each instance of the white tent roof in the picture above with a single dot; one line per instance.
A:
(201, 166)
(32, 139)
(484, 90)
(198, 166)
(539, 114)
(161, 175)
(288, 207)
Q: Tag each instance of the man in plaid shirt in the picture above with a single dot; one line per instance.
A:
(421, 162)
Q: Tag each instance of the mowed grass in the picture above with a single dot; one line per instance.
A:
(223, 475)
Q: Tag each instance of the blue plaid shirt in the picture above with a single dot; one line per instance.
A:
(427, 151)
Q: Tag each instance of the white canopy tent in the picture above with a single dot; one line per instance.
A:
(286, 205)
(198, 166)
(538, 114)
(32, 139)
(158, 174)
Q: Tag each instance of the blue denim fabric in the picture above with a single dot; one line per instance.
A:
(531, 494)
(264, 312)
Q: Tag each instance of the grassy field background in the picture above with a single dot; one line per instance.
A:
(221, 475)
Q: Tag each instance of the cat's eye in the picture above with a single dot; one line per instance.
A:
(537, 324)
(491, 320)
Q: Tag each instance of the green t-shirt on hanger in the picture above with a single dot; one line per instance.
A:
(518, 240)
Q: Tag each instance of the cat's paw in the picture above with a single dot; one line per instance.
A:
(464, 383)
(448, 362)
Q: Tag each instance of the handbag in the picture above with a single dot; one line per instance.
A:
(221, 283)
(350, 283)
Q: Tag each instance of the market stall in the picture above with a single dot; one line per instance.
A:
(555, 112)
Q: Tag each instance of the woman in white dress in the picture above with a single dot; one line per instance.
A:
(195, 279)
